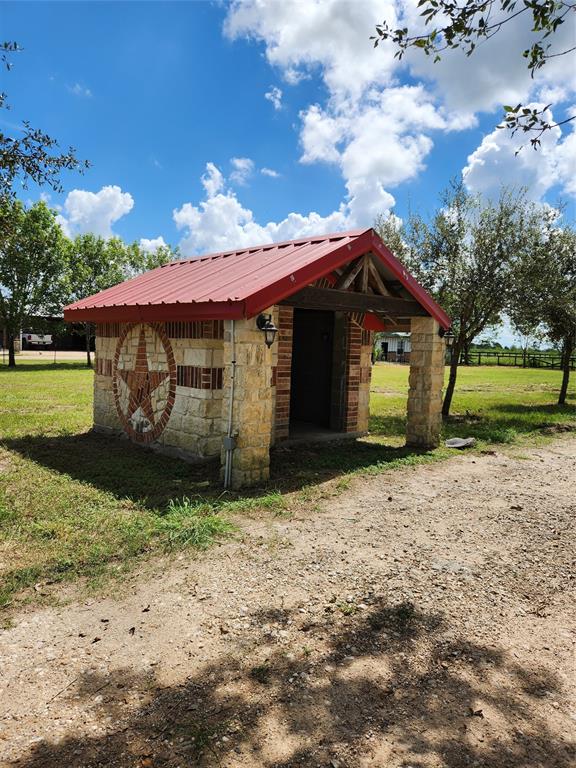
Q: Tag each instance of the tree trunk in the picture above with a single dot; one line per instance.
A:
(467, 353)
(524, 355)
(88, 357)
(454, 361)
(568, 349)
(11, 351)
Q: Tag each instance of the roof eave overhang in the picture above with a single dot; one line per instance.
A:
(150, 313)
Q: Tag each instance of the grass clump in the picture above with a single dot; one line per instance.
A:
(188, 523)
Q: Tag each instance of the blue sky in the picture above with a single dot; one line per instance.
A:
(217, 125)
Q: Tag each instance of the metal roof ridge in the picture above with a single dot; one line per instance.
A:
(263, 246)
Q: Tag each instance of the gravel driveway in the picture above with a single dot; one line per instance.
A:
(423, 617)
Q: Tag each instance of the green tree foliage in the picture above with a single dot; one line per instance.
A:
(32, 266)
(543, 295)
(464, 257)
(465, 25)
(94, 264)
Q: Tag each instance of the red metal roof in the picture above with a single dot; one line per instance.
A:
(241, 283)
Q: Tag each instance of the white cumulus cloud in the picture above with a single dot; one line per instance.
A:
(274, 96)
(243, 169)
(376, 130)
(152, 245)
(220, 222)
(96, 212)
(495, 162)
(270, 172)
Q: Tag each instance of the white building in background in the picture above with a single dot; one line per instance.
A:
(393, 347)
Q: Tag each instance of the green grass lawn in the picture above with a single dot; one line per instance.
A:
(77, 504)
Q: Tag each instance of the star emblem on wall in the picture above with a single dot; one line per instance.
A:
(142, 382)
(137, 382)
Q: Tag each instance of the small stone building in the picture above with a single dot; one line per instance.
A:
(232, 353)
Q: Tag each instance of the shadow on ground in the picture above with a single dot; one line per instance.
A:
(389, 685)
(127, 471)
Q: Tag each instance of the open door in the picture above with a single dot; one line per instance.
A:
(311, 378)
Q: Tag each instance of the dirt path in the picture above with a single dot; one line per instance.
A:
(421, 618)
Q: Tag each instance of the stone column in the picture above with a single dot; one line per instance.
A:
(426, 382)
(252, 419)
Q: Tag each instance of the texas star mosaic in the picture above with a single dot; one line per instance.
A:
(144, 380)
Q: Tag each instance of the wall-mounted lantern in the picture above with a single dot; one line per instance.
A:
(265, 324)
(448, 336)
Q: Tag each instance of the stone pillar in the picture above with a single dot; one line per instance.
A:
(252, 419)
(426, 382)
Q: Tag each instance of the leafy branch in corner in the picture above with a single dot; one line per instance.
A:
(466, 25)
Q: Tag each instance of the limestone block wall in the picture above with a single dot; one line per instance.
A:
(254, 399)
(161, 384)
(425, 384)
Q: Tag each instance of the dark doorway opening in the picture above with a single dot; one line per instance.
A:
(312, 366)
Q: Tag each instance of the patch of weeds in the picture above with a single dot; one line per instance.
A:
(18, 579)
(343, 483)
(202, 735)
(348, 609)
(261, 673)
(502, 435)
(308, 493)
(188, 523)
(273, 501)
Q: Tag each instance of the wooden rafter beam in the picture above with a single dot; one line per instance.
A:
(365, 273)
(375, 275)
(349, 275)
(350, 301)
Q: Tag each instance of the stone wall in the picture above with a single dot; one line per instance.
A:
(161, 384)
(425, 384)
(254, 398)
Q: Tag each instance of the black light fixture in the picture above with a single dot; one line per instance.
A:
(265, 324)
(447, 335)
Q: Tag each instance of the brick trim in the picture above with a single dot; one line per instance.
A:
(353, 357)
(108, 330)
(195, 329)
(103, 366)
(283, 372)
(196, 377)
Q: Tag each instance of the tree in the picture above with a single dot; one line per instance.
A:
(465, 25)
(464, 257)
(31, 155)
(544, 294)
(32, 266)
(95, 264)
